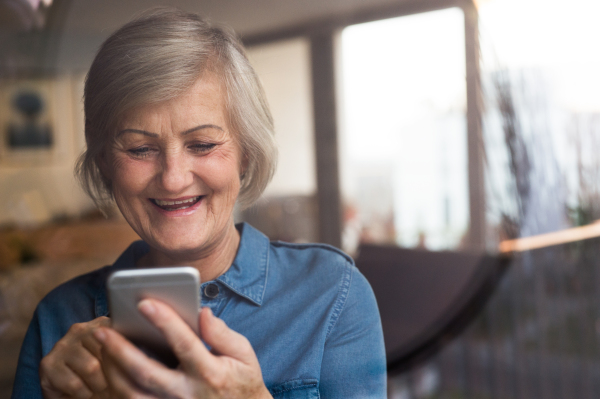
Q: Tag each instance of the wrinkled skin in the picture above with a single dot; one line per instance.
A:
(95, 361)
(73, 366)
(229, 370)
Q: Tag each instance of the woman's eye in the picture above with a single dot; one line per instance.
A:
(140, 152)
(202, 147)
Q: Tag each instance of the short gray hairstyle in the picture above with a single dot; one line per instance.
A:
(157, 57)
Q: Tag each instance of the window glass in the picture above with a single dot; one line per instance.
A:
(539, 335)
(542, 122)
(403, 131)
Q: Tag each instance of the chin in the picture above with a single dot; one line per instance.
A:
(179, 247)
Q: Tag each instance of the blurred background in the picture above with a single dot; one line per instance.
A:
(450, 146)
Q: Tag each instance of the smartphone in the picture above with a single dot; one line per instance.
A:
(178, 287)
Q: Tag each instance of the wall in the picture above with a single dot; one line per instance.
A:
(37, 185)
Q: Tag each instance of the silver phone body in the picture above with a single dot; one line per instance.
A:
(178, 287)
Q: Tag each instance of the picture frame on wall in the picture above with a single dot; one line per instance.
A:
(36, 121)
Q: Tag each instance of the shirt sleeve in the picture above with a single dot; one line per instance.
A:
(354, 364)
(27, 378)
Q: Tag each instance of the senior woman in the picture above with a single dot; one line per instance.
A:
(178, 131)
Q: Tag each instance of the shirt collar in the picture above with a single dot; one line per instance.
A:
(247, 276)
(127, 260)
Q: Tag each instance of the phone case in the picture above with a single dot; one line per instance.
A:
(178, 287)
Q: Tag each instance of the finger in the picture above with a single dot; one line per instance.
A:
(186, 345)
(92, 345)
(64, 382)
(223, 339)
(127, 363)
(102, 395)
(119, 385)
(88, 340)
(88, 368)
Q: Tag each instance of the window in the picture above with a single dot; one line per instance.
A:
(403, 133)
(288, 210)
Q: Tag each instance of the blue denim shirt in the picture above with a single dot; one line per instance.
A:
(309, 314)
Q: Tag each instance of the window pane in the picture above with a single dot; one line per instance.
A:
(288, 209)
(545, 103)
(403, 131)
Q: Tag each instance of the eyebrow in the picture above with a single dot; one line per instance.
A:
(146, 133)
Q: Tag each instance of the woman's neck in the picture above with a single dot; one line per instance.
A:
(211, 262)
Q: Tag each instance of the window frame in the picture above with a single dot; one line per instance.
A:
(322, 36)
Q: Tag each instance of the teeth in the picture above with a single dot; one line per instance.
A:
(170, 203)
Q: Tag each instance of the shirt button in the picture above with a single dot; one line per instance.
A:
(211, 290)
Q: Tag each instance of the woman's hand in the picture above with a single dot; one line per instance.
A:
(72, 368)
(229, 370)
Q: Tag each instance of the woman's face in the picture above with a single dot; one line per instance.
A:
(175, 171)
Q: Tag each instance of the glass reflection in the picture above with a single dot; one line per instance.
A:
(403, 139)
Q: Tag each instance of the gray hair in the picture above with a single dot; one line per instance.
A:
(157, 57)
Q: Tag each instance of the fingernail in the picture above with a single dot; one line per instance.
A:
(100, 335)
(146, 307)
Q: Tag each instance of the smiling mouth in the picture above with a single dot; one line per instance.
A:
(176, 205)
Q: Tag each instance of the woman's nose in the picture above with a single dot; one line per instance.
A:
(176, 173)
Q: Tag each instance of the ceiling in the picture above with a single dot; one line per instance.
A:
(247, 17)
(76, 28)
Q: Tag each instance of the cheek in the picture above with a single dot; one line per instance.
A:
(131, 176)
(221, 171)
